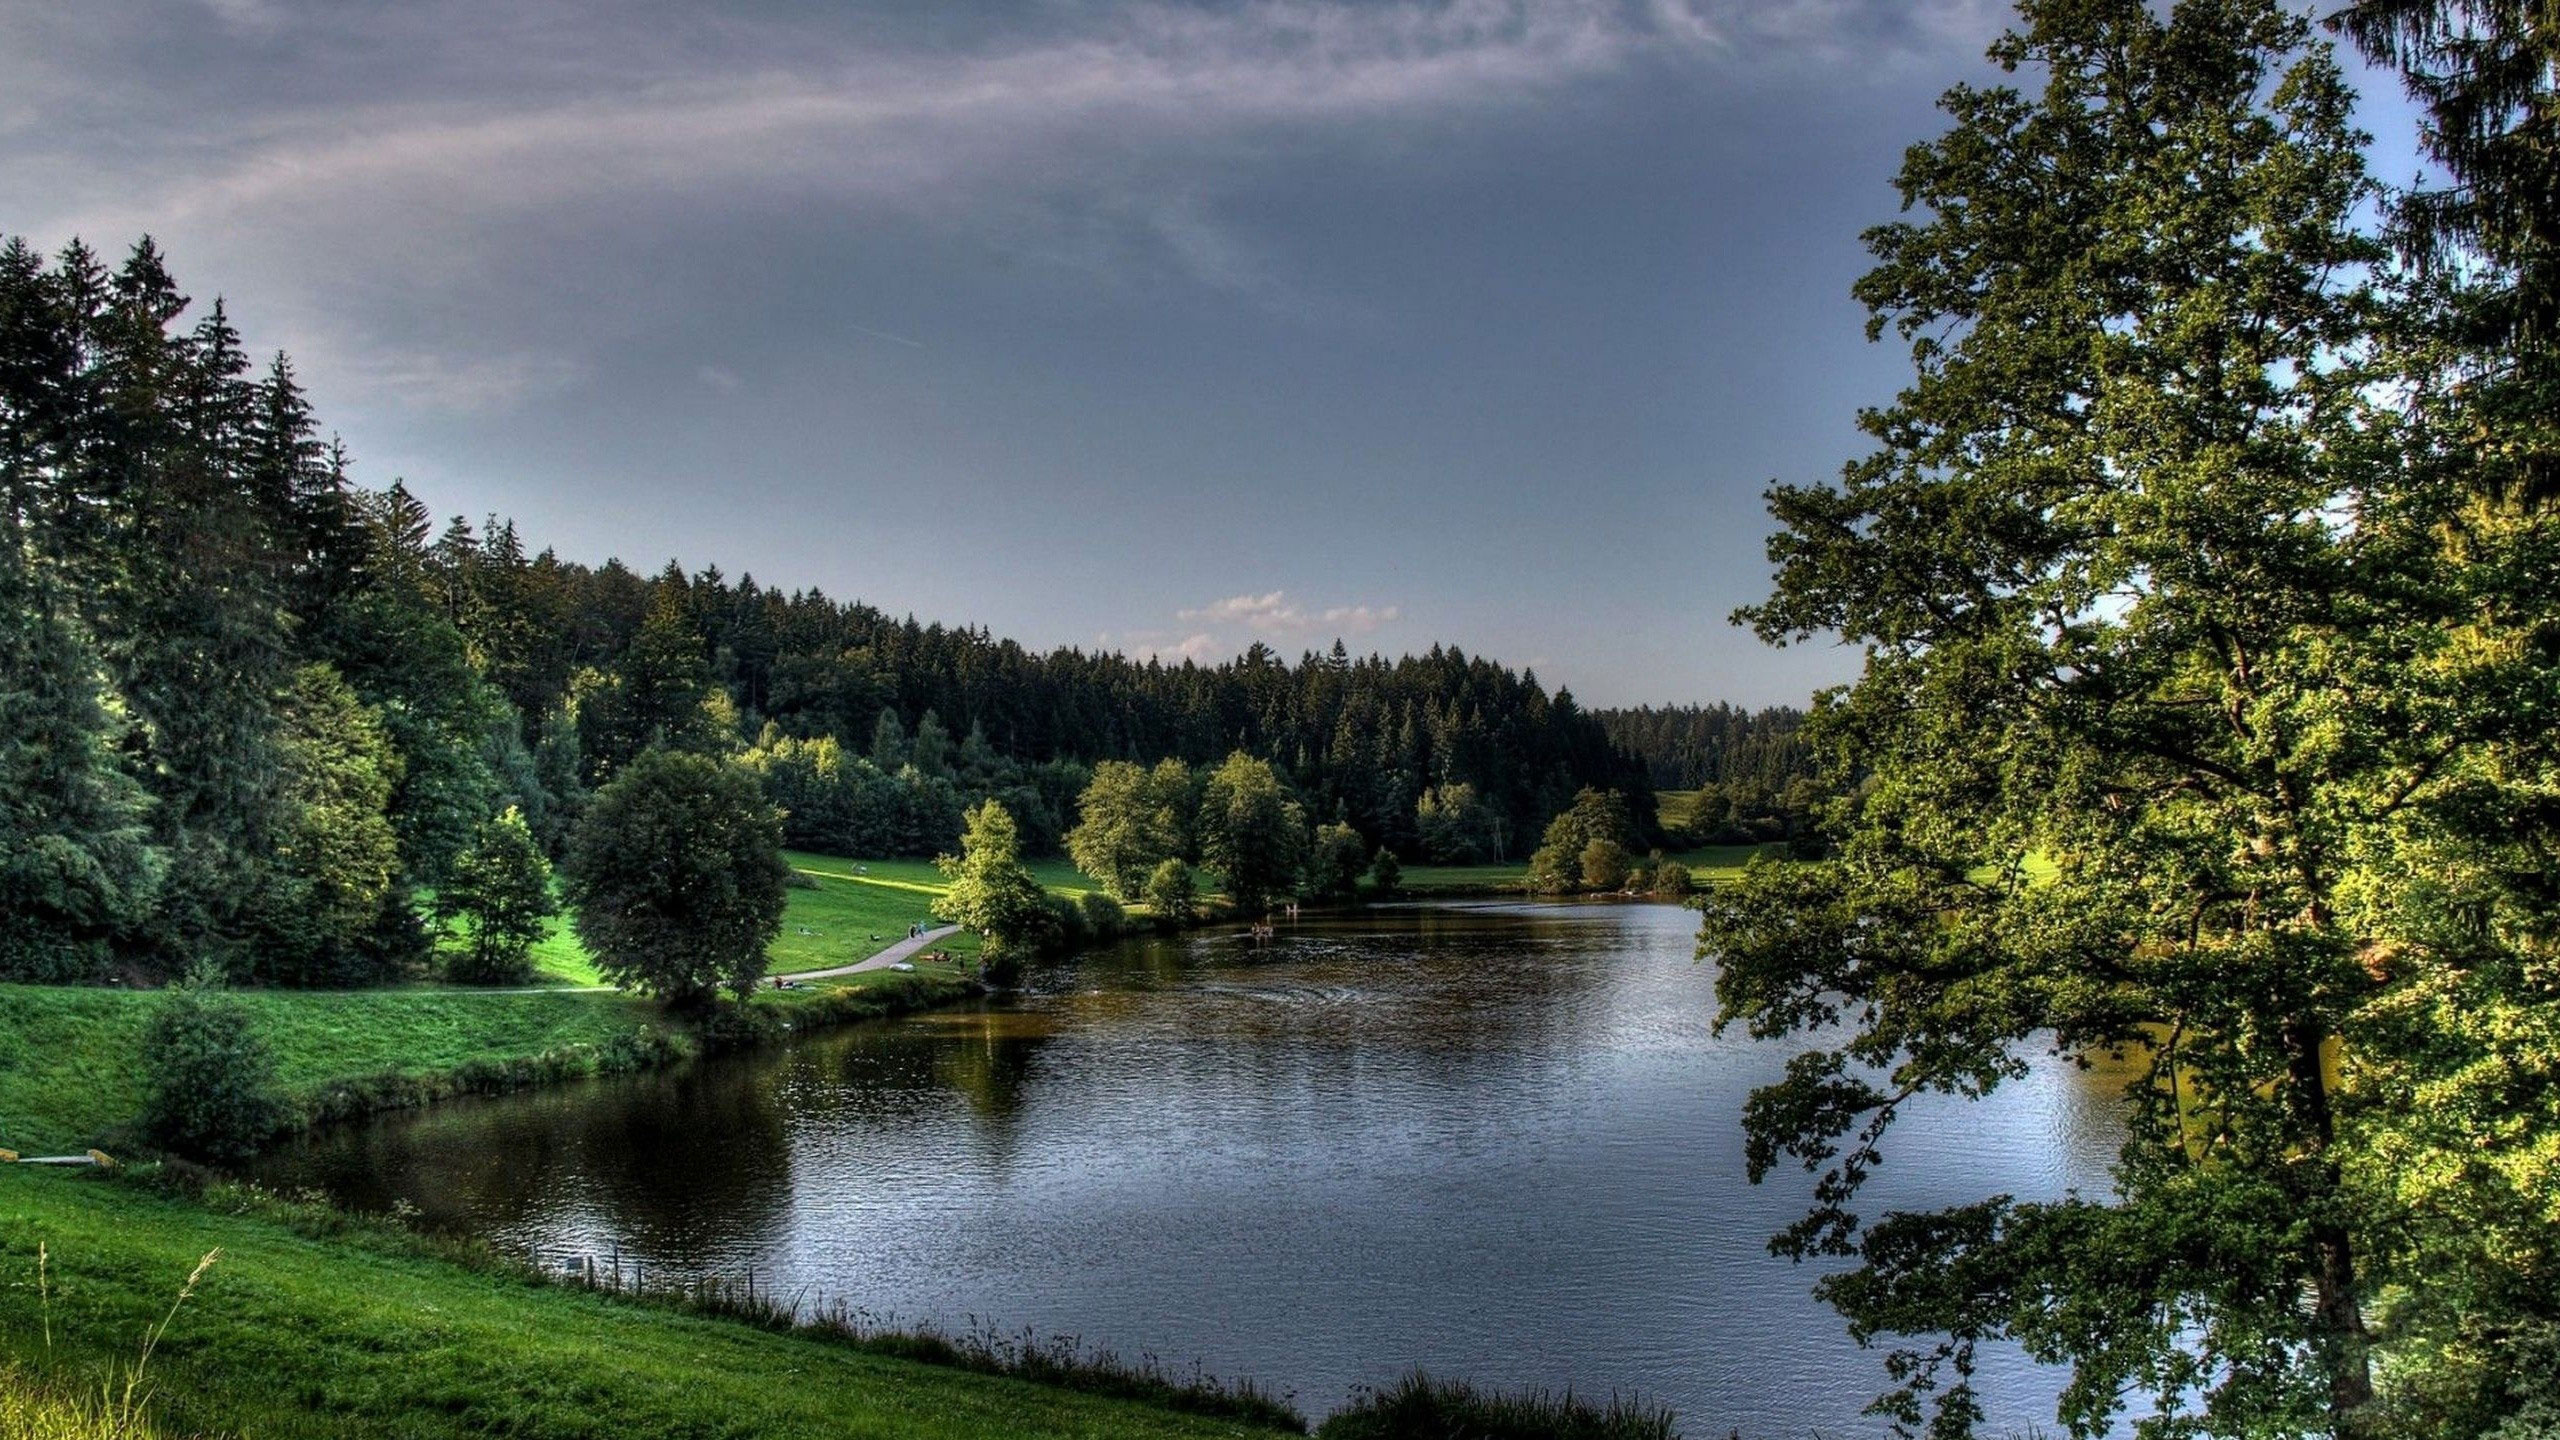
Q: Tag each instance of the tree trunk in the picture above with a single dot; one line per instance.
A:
(2337, 1317)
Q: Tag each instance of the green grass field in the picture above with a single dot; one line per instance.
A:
(1708, 865)
(306, 1329)
(830, 925)
(71, 1057)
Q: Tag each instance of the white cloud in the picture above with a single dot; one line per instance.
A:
(724, 381)
(1275, 616)
(1172, 647)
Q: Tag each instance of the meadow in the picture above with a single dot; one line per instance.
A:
(848, 911)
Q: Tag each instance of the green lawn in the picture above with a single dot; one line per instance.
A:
(1708, 865)
(71, 1056)
(830, 925)
(311, 1330)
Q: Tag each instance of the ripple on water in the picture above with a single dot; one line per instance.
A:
(1495, 1139)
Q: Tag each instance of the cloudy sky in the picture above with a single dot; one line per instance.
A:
(1161, 327)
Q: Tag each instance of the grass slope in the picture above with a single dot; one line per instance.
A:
(831, 924)
(71, 1057)
(309, 1330)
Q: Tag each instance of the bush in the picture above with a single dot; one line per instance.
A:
(1173, 895)
(213, 1090)
(1605, 865)
(501, 887)
(1104, 920)
(1386, 872)
(1673, 881)
(1420, 1408)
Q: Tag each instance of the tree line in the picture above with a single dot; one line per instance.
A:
(1744, 775)
(254, 712)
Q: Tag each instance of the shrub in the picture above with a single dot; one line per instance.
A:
(1104, 920)
(1386, 872)
(213, 1093)
(1605, 865)
(1334, 866)
(1673, 880)
(502, 887)
(1172, 894)
(1420, 1408)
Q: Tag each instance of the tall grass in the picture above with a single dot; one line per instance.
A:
(1061, 1361)
(1421, 1408)
(35, 1409)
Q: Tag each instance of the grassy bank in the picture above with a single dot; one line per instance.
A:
(71, 1058)
(1708, 865)
(311, 1328)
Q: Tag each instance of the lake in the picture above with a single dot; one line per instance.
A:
(1496, 1141)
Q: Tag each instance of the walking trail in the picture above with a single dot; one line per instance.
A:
(882, 961)
(904, 949)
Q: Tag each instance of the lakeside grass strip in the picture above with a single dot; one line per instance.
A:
(316, 1324)
(71, 1071)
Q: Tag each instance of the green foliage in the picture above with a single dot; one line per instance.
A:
(992, 892)
(1456, 827)
(1172, 894)
(336, 856)
(1335, 861)
(76, 864)
(1252, 831)
(1605, 865)
(1421, 1408)
(2151, 586)
(1100, 917)
(1385, 871)
(676, 875)
(213, 1092)
(1672, 880)
(1596, 818)
(1131, 819)
(501, 889)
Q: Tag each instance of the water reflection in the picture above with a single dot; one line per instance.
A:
(1494, 1140)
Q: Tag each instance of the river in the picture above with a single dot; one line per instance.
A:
(1493, 1140)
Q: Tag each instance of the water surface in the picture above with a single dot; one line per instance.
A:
(1496, 1141)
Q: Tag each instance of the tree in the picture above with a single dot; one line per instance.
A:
(1605, 865)
(1595, 817)
(1336, 860)
(1385, 872)
(76, 864)
(213, 1093)
(992, 892)
(1455, 825)
(2486, 76)
(337, 858)
(1172, 894)
(2138, 595)
(1252, 832)
(2469, 1062)
(677, 877)
(1119, 837)
(501, 887)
